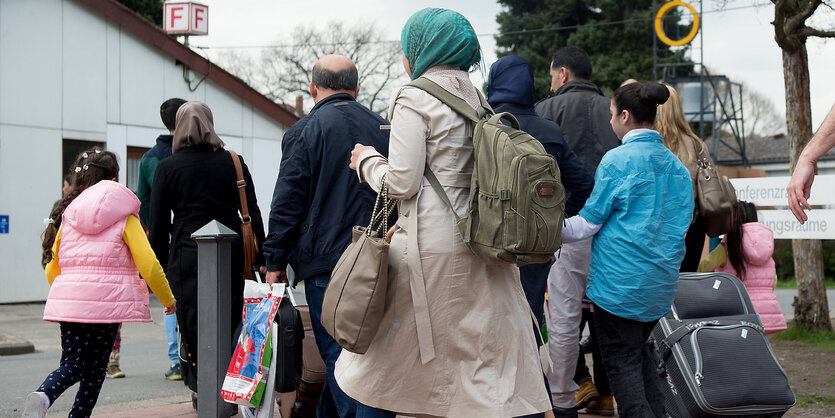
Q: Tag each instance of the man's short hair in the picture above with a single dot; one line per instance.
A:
(345, 79)
(575, 59)
(168, 112)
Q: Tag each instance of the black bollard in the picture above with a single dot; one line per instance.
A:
(214, 350)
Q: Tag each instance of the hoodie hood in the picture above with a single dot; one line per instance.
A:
(757, 242)
(510, 81)
(100, 206)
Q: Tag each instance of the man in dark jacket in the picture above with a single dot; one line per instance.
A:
(582, 111)
(147, 167)
(510, 89)
(318, 200)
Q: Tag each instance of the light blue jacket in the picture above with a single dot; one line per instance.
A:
(643, 197)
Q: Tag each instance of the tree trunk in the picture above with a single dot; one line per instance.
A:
(811, 308)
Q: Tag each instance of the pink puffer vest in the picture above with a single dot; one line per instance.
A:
(760, 274)
(99, 282)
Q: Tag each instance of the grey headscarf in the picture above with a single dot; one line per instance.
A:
(195, 126)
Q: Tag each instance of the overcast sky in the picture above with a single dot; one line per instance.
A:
(738, 39)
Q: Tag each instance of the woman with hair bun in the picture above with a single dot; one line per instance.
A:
(638, 213)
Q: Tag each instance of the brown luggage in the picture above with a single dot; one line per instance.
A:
(313, 372)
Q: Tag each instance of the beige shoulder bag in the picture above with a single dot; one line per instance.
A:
(356, 295)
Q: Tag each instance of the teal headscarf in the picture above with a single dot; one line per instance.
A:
(439, 37)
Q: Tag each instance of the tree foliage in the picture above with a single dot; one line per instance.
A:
(151, 10)
(284, 71)
(618, 35)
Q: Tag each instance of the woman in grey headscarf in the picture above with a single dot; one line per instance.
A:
(197, 184)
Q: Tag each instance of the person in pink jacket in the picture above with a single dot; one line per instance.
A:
(745, 252)
(94, 252)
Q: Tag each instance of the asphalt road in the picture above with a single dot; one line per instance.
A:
(786, 296)
(143, 359)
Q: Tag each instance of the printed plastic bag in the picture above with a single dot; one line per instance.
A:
(245, 382)
(268, 400)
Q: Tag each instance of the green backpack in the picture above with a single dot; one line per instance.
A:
(517, 203)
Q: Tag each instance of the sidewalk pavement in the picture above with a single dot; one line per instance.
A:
(144, 392)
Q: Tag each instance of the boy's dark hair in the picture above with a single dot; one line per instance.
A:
(641, 100)
(89, 168)
(168, 112)
(345, 79)
(743, 213)
(575, 59)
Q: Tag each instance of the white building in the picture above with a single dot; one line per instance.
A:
(74, 73)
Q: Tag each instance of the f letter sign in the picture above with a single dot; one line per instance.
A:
(186, 18)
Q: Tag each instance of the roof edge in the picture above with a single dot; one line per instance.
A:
(155, 36)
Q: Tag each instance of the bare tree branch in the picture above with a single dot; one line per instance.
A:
(807, 32)
(282, 73)
(798, 21)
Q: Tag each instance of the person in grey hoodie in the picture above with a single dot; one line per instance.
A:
(582, 111)
(510, 89)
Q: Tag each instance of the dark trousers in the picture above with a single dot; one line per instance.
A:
(694, 243)
(333, 402)
(629, 364)
(581, 373)
(86, 350)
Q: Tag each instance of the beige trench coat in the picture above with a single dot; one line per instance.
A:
(456, 338)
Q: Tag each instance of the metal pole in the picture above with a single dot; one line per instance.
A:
(214, 334)
(654, 46)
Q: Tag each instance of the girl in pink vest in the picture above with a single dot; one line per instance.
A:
(745, 252)
(94, 252)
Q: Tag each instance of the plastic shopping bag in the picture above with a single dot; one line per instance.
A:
(268, 400)
(245, 382)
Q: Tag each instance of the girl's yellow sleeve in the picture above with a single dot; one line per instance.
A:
(717, 258)
(146, 260)
(52, 268)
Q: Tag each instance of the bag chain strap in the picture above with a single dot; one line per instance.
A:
(379, 215)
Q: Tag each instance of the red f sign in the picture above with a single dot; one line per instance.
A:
(186, 18)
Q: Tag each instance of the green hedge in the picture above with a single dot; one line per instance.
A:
(785, 263)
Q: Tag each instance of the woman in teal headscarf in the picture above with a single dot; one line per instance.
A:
(455, 338)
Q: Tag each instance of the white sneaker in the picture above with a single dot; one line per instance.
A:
(36, 405)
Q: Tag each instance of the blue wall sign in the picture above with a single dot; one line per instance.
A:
(4, 224)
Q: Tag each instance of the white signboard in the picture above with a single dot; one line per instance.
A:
(771, 191)
(185, 18)
(820, 225)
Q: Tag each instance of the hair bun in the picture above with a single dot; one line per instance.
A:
(655, 93)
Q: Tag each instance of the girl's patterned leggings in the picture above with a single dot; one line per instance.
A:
(86, 349)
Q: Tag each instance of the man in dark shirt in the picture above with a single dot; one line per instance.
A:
(510, 89)
(147, 166)
(318, 200)
(582, 111)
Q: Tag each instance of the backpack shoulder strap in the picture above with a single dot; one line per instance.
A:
(456, 103)
(433, 180)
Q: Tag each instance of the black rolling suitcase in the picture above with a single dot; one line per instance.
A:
(714, 357)
(288, 368)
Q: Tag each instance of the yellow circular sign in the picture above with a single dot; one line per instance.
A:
(659, 20)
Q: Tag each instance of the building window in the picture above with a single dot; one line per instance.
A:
(134, 155)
